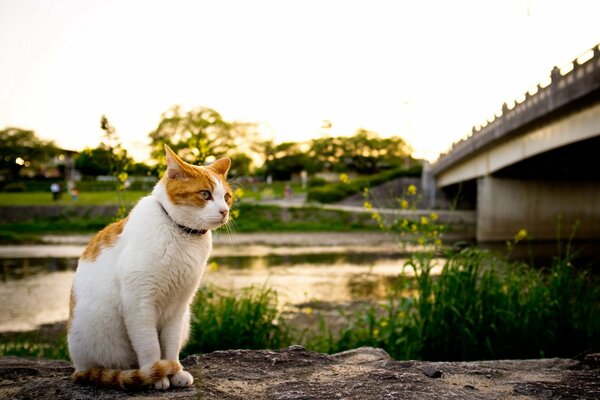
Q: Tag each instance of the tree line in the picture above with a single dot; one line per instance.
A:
(201, 134)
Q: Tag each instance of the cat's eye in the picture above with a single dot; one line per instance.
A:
(205, 194)
(227, 197)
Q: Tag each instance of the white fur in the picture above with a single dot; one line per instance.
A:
(132, 302)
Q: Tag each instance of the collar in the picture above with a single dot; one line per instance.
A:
(183, 228)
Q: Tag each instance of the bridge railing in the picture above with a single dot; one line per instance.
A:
(565, 85)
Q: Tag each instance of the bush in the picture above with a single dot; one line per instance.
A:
(317, 182)
(338, 191)
(15, 187)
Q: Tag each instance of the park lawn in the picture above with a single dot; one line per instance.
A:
(85, 198)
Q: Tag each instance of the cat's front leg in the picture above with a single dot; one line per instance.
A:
(141, 328)
(172, 338)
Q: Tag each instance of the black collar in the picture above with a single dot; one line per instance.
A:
(183, 228)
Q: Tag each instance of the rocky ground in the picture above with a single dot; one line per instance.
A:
(295, 373)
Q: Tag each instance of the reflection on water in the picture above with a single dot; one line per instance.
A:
(35, 291)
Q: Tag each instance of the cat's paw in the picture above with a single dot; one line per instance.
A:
(162, 384)
(182, 379)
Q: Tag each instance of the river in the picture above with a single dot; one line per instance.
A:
(302, 267)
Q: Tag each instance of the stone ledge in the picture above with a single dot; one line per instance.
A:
(295, 373)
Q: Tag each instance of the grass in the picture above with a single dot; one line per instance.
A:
(85, 198)
(252, 218)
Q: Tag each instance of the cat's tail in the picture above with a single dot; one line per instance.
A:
(130, 379)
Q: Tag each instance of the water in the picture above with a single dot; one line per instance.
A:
(36, 280)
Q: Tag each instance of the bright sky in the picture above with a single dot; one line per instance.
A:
(423, 70)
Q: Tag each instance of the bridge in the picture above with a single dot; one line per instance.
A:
(536, 166)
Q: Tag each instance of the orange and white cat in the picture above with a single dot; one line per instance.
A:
(129, 314)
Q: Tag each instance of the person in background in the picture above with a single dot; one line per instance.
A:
(55, 189)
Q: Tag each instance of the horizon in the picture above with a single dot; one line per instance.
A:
(424, 72)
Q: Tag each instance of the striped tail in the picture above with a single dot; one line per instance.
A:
(130, 379)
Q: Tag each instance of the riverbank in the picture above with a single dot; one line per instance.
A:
(294, 373)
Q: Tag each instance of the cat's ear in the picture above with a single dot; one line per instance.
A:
(221, 166)
(176, 167)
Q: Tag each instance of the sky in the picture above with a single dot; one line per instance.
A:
(424, 70)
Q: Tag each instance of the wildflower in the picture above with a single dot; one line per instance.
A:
(404, 223)
(383, 323)
(368, 205)
(404, 204)
(413, 227)
(344, 178)
(421, 240)
(437, 242)
(434, 216)
(376, 217)
(238, 193)
(308, 310)
(213, 266)
(412, 190)
(424, 220)
(522, 234)
(234, 213)
(375, 332)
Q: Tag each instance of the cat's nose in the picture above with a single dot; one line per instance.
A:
(224, 212)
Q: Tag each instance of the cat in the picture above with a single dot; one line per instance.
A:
(129, 312)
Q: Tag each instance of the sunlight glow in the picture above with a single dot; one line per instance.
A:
(427, 74)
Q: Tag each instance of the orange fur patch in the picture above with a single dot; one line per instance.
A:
(185, 190)
(71, 309)
(107, 237)
(127, 379)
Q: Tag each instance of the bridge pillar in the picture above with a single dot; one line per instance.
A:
(504, 206)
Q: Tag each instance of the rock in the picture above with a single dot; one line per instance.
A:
(295, 373)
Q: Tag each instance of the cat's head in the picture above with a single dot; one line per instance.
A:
(199, 197)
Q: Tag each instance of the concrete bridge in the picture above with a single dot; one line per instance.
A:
(535, 164)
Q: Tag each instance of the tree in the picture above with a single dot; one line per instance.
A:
(94, 162)
(21, 148)
(194, 135)
(364, 152)
(286, 159)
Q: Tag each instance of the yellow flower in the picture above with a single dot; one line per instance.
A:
(376, 332)
(434, 216)
(308, 310)
(368, 205)
(420, 240)
(344, 178)
(404, 204)
(238, 193)
(383, 324)
(522, 234)
(213, 266)
(437, 242)
(412, 190)
(413, 227)
(424, 220)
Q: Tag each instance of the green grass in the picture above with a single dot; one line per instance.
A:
(252, 218)
(247, 320)
(85, 198)
(34, 344)
(480, 307)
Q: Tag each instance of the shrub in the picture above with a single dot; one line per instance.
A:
(337, 191)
